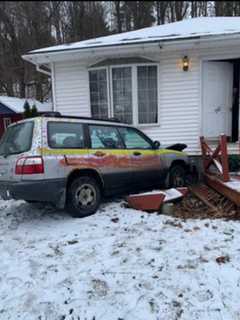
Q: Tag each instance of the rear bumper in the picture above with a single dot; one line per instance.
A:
(53, 191)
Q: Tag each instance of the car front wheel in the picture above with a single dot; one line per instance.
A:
(83, 197)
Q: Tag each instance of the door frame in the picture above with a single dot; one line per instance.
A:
(211, 57)
(201, 112)
(208, 58)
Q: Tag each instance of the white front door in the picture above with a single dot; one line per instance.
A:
(217, 98)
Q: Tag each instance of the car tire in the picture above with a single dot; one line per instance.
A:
(177, 176)
(83, 197)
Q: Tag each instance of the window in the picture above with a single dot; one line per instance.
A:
(6, 122)
(147, 94)
(98, 93)
(122, 93)
(132, 91)
(62, 135)
(134, 140)
(105, 137)
(17, 139)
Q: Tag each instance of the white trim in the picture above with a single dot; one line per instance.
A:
(134, 95)
(53, 86)
(97, 68)
(38, 68)
(171, 43)
(110, 95)
(100, 60)
(205, 58)
(216, 57)
(88, 95)
(201, 74)
(201, 97)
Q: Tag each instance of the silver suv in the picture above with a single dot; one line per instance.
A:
(74, 162)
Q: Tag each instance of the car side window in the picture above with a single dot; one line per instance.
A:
(105, 137)
(133, 139)
(63, 135)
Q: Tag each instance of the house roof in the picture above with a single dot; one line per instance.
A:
(185, 29)
(17, 104)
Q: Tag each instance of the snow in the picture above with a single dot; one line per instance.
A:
(189, 28)
(170, 194)
(17, 104)
(233, 184)
(117, 264)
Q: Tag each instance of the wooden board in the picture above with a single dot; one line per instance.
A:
(218, 185)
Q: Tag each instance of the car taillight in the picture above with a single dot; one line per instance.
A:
(29, 165)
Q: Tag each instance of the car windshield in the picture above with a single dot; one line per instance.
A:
(17, 139)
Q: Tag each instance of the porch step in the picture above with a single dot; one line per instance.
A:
(206, 195)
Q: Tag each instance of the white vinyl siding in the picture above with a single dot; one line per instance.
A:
(71, 89)
(179, 96)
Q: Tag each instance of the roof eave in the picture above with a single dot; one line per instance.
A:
(48, 56)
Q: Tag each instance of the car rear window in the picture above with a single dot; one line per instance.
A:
(65, 135)
(17, 139)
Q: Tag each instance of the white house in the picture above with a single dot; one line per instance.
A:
(175, 81)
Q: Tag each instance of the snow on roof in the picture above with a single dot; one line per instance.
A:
(189, 28)
(17, 104)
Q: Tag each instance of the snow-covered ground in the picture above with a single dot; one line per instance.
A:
(117, 264)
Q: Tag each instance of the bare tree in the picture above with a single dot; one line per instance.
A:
(117, 13)
(27, 25)
(161, 9)
(86, 19)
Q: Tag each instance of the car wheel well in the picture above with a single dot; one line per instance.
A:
(176, 163)
(85, 172)
(181, 163)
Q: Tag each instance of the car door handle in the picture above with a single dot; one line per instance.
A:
(136, 153)
(99, 154)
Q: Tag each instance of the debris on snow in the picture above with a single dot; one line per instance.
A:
(142, 267)
(222, 259)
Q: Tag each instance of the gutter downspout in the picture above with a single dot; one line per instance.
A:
(49, 74)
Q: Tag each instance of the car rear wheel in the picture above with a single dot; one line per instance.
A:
(83, 197)
(177, 176)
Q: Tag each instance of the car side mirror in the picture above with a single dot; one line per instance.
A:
(156, 144)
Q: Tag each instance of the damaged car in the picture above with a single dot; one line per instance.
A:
(73, 162)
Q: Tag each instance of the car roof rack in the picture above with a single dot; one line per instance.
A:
(59, 115)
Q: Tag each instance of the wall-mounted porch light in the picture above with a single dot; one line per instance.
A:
(185, 63)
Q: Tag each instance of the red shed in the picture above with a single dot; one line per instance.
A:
(7, 118)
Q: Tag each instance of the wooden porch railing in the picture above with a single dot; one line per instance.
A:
(217, 157)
